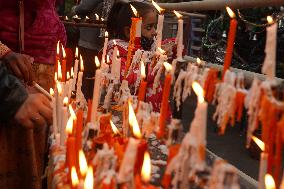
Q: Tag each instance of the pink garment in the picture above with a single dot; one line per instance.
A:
(42, 28)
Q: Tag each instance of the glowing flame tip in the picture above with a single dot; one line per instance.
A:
(168, 66)
(269, 182)
(269, 19)
(179, 16)
(114, 128)
(259, 143)
(83, 163)
(133, 121)
(230, 12)
(134, 10)
(89, 181)
(160, 10)
(74, 177)
(146, 168)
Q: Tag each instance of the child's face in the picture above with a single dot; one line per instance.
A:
(149, 25)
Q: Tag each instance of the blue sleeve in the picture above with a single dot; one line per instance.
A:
(86, 6)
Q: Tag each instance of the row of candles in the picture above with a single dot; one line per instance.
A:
(63, 87)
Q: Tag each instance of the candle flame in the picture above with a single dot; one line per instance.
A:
(133, 121)
(198, 61)
(77, 53)
(146, 168)
(72, 72)
(117, 53)
(168, 66)
(97, 16)
(161, 50)
(51, 91)
(161, 10)
(73, 115)
(269, 19)
(59, 71)
(114, 128)
(59, 88)
(63, 52)
(259, 143)
(57, 48)
(269, 182)
(69, 126)
(65, 101)
(81, 64)
(106, 34)
(143, 73)
(87, 18)
(68, 75)
(83, 163)
(76, 16)
(230, 12)
(179, 16)
(74, 177)
(89, 181)
(198, 91)
(97, 62)
(66, 18)
(114, 42)
(102, 19)
(134, 10)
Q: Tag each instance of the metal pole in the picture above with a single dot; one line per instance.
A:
(219, 4)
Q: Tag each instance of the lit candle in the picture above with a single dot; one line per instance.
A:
(96, 91)
(269, 66)
(75, 69)
(105, 48)
(54, 120)
(67, 85)
(64, 121)
(116, 63)
(165, 100)
(230, 41)
(57, 57)
(70, 146)
(71, 80)
(59, 105)
(143, 85)
(199, 123)
(262, 163)
(146, 168)
(159, 25)
(79, 94)
(64, 69)
(179, 36)
(134, 37)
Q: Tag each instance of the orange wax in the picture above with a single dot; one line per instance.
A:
(70, 153)
(165, 105)
(230, 45)
(132, 37)
(142, 90)
(64, 70)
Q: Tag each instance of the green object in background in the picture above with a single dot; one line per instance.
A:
(68, 6)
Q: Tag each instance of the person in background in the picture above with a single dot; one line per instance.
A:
(89, 42)
(29, 31)
(118, 25)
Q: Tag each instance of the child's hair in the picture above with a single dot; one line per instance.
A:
(120, 16)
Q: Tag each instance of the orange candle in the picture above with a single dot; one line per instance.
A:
(64, 65)
(165, 100)
(143, 86)
(57, 57)
(134, 38)
(230, 41)
(78, 135)
(89, 110)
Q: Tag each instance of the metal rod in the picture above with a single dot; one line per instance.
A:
(249, 76)
(89, 25)
(219, 4)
